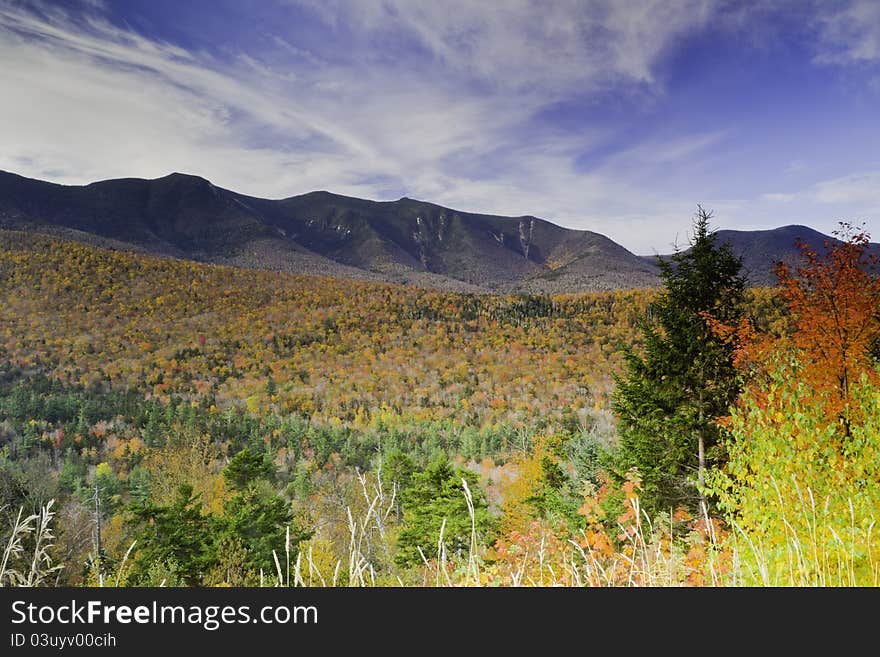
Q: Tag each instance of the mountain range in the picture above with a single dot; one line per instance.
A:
(402, 241)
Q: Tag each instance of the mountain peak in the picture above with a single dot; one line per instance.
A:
(178, 176)
(762, 249)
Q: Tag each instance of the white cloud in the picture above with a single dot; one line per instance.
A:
(821, 205)
(90, 100)
(849, 32)
(666, 151)
(796, 166)
(861, 188)
(529, 45)
(853, 197)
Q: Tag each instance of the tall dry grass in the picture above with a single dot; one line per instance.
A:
(26, 556)
(813, 552)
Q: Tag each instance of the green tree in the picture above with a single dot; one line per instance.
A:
(800, 484)
(397, 474)
(248, 466)
(177, 535)
(684, 379)
(258, 519)
(437, 494)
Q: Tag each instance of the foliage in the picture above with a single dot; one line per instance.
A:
(177, 537)
(141, 375)
(794, 479)
(435, 512)
(257, 519)
(804, 438)
(247, 467)
(835, 300)
(363, 354)
(548, 486)
(671, 394)
(247, 427)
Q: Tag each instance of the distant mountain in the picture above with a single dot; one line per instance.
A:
(760, 250)
(405, 241)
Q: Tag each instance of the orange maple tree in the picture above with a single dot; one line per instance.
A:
(833, 297)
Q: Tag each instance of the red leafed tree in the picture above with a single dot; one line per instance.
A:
(834, 297)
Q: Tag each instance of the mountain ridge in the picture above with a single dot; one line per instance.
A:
(404, 241)
(761, 250)
(407, 240)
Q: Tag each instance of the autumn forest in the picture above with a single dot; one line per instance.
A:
(174, 423)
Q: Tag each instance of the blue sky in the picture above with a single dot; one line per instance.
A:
(608, 115)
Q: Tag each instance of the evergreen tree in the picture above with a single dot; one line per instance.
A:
(673, 392)
(437, 494)
(248, 466)
(397, 473)
(178, 534)
(256, 518)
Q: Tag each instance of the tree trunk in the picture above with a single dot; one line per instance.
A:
(98, 531)
(701, 470)
(701, 453)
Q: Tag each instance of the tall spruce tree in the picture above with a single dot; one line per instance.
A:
(683, 380)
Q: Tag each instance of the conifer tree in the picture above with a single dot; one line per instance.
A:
(672, 392)
(434, 500)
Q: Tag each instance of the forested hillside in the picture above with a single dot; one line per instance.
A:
(169, 422)
(135, 373)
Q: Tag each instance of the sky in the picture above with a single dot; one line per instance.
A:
(606, 115)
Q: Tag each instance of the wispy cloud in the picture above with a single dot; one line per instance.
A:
(442, 101)
(849, 31)
(859, 189)
(854, 198)
(93, 100)
(665, 151)
(796, 166)
(528, 44)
